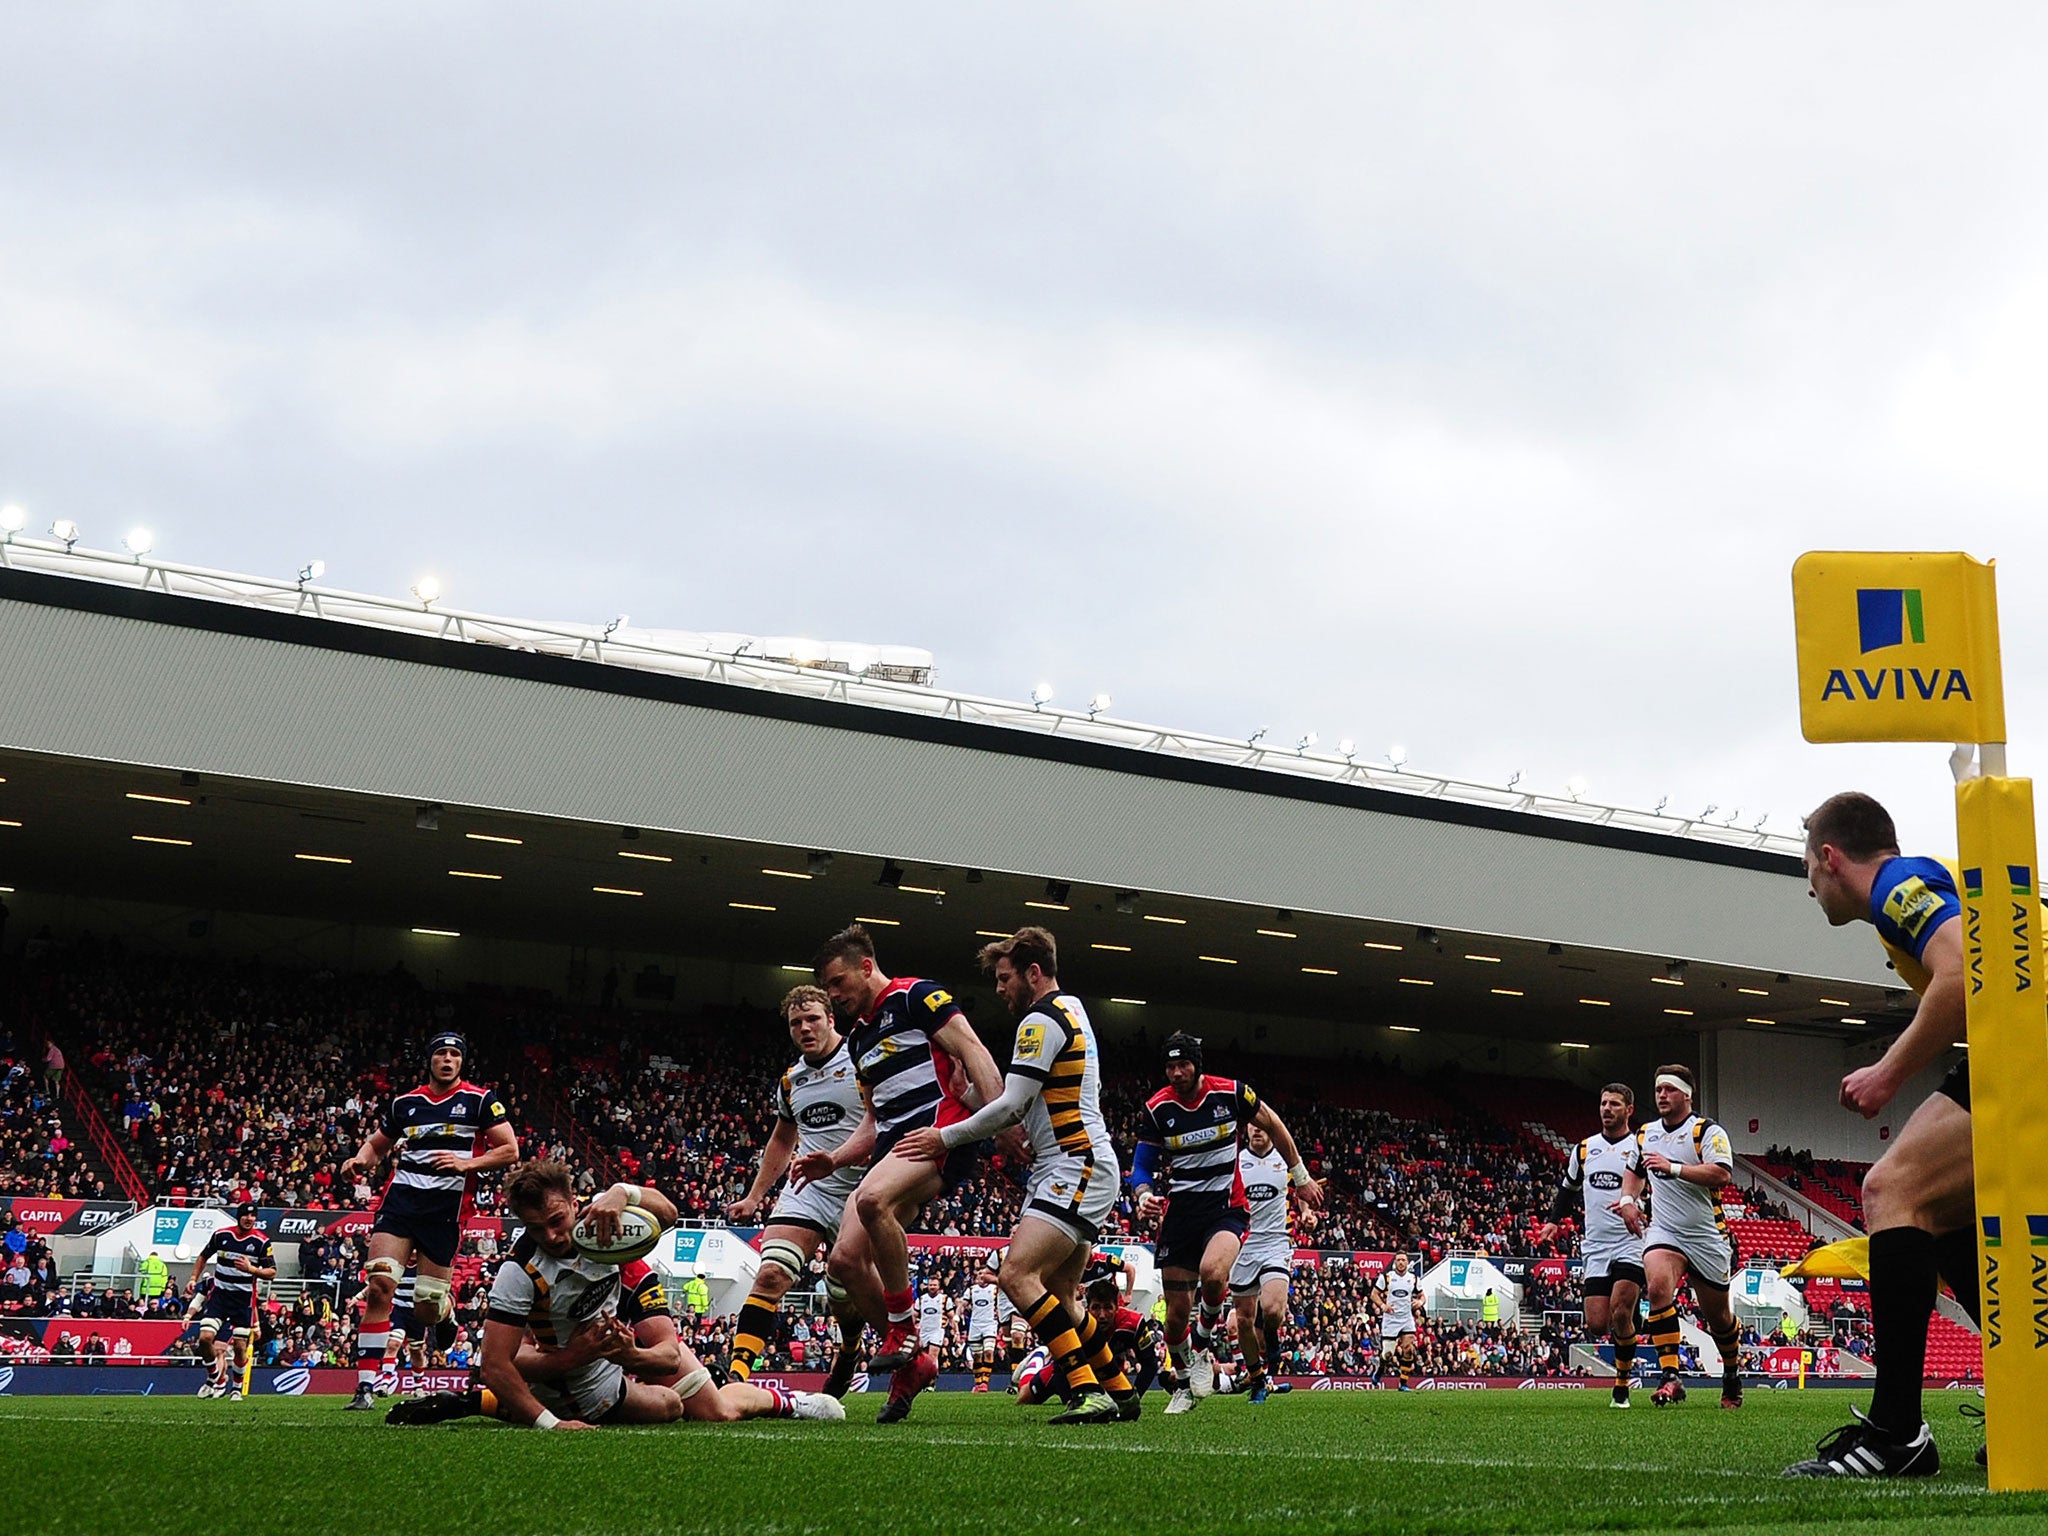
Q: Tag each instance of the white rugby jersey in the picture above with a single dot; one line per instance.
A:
(1597, 1170)
(1397, 1297)
(931, 1318)
(981, 1309)
(1679, 1210)
(1265, 1187)
(824, 1104)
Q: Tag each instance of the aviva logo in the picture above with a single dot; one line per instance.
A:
(2021, 878)
(1889, 616)
(1992, 1239)
(2037, 1231)
(1973, 883)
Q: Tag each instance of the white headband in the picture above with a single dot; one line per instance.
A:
(1673, 1080)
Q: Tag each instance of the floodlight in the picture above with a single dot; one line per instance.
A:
(1098, 705)
(12, 520)
(428, 590)
(1397, 755)
(1041, 696)
(138, 542)
(1347, 749)
(1575, 786)
(1307, 741)
(1256, 736)
(617, 624)
(312, 570)
(65, 532)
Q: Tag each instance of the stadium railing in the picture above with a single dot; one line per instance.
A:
(79, 1101)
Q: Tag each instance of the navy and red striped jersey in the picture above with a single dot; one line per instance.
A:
(1199, 1140)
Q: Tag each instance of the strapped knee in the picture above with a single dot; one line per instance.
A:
(430, 1300)
(693, 1383)
(785, 1256)
(390, 1269)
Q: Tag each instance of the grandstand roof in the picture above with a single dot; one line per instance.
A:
(294, 734)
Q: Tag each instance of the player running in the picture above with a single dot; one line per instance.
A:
(981, 1326)
(601, 1357)
(920, 1066)
(818, 1110)
(241, 1256)
(1054, 1090)
(1194, 1127)
(1399, 1293)
(1919, 1199)
(1258, 1280)
(1598, 1168)
(1689, 1159)
(446, 1132)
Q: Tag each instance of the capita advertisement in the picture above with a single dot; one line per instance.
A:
(63, 1218)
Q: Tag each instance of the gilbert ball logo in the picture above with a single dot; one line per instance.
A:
(6, 1377)
(291, 1383)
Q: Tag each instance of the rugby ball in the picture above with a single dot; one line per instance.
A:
(637, 1235)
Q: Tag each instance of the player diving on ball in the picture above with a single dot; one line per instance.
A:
(1054, 1090)
(572, 1341)
(446, 1132)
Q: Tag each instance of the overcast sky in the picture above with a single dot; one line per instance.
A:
(1460, 376)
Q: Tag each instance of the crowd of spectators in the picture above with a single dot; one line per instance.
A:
(37, 1155)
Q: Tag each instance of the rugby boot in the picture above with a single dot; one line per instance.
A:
(1862, 1449)
(898, 1348)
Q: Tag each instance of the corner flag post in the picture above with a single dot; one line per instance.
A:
(1904, 647)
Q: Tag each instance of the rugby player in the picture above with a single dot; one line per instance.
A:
(1613, 1255)
(1919, 1199)
(404, 1343)
(920, 1066)
(606, 1353)
(1686, 1161)
(241, 1256)
(446, 1132)
(1134, 1339)
(1054, 1090)
(1259, 1277)
(981, 1326)
(818, 1109)
(1194, 1127)
(1399, 1293)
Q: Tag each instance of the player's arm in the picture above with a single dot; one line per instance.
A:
(956, 1037)
(516, 1402)
(1629, 1204)
(1569, 1191)
(602, 1214)
(1306, 1189)
(375, 1148)
(1938, 1023)
(1146, 1158)
(775, 1160)
(266, 1267)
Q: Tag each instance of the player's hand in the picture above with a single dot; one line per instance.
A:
(1868, 1089)
(1547, 1233)
(452, 1162)
(924, 1145)
(351, 1166)
(1016, 1146)
(1631, 1215)
(1310, 1194)
(1150, 1207)
(743, 1208)
(602, 1214)
(609, 1337)
(1657, 1162)
(573, 1424)
(810, 1168)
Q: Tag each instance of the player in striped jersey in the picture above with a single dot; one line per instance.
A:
(920, 1066)
(445, 1132)
(1054, 1090)
(1686, 1162)
(818, 1108)
(1596, 1171)
(241, 1256)
(1193, 1128)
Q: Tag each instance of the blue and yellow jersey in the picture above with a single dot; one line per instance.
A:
(1909, 901)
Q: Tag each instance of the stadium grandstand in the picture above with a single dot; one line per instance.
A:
(259, 840)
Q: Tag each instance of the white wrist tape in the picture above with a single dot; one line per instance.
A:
(1298, 1174)
(546, 1420)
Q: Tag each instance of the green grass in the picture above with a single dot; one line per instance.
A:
(1436, 1462)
